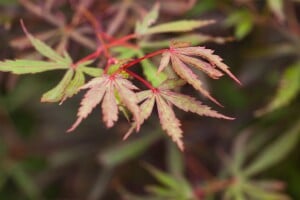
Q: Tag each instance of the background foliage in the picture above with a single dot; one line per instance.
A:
(253, 157)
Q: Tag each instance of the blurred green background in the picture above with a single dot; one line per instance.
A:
(256, 156)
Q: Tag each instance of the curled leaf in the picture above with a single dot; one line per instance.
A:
(57, 93)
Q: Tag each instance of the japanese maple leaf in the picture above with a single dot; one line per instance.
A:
(105, 89)
(200, 58)
(164, 99)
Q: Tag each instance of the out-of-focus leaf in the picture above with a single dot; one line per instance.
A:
(162, 177)
(242, 22)
(25, 182)
(121, 153)
(177, 188)
(277, 8)
(175, 160)
(258, 193)
(57, 93)
(8, 2)
(3, 177)
(275, 152)
(149, 19)
(150, 71)
(178, 26)
(288, 89)
(29, 66)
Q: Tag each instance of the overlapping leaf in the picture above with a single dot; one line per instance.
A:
(207, 62)
(103, 89)
(164, 98)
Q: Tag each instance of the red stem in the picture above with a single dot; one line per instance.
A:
(146, 83)
(100, 49)
(124, 67)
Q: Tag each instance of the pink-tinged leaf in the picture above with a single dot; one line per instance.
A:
(190, 104)
(185, 73)
(169, 121)
(146, 110)
(164, 61)
(147, 107)
(208, 55)
(109, 106)
(91, 99)
(129, 98)
(141, 96)
(95, 82)
(209, 69)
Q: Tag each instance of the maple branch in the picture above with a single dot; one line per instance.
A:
(125, 66)
(146, 83)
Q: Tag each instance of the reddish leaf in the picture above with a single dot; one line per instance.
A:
(185, 73)
(214, 60)
(164, 61)
(129, 98)
(190, 104)
(169, 121)
(109, 107)
(104, 88)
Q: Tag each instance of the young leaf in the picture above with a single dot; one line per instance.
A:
(109, 106)
(91, 99)
(185, 73)
(104, 88)
(169, 121)
(190, 104)
(57, 93)
(178, 26)
(275, 152)
(207, 54)
(29, 66)
(164, 98)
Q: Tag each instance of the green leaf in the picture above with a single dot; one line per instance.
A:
(44, 49)
(119, 154)
(149, 19)
(164, 178)
(74, 85)
(242, 20)
(178, 26)
(29, 66)
(150, 71)
(178, 188)
(24, 181)
(288, 89)
(275, 152)
(57, 93)
(92, 71)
